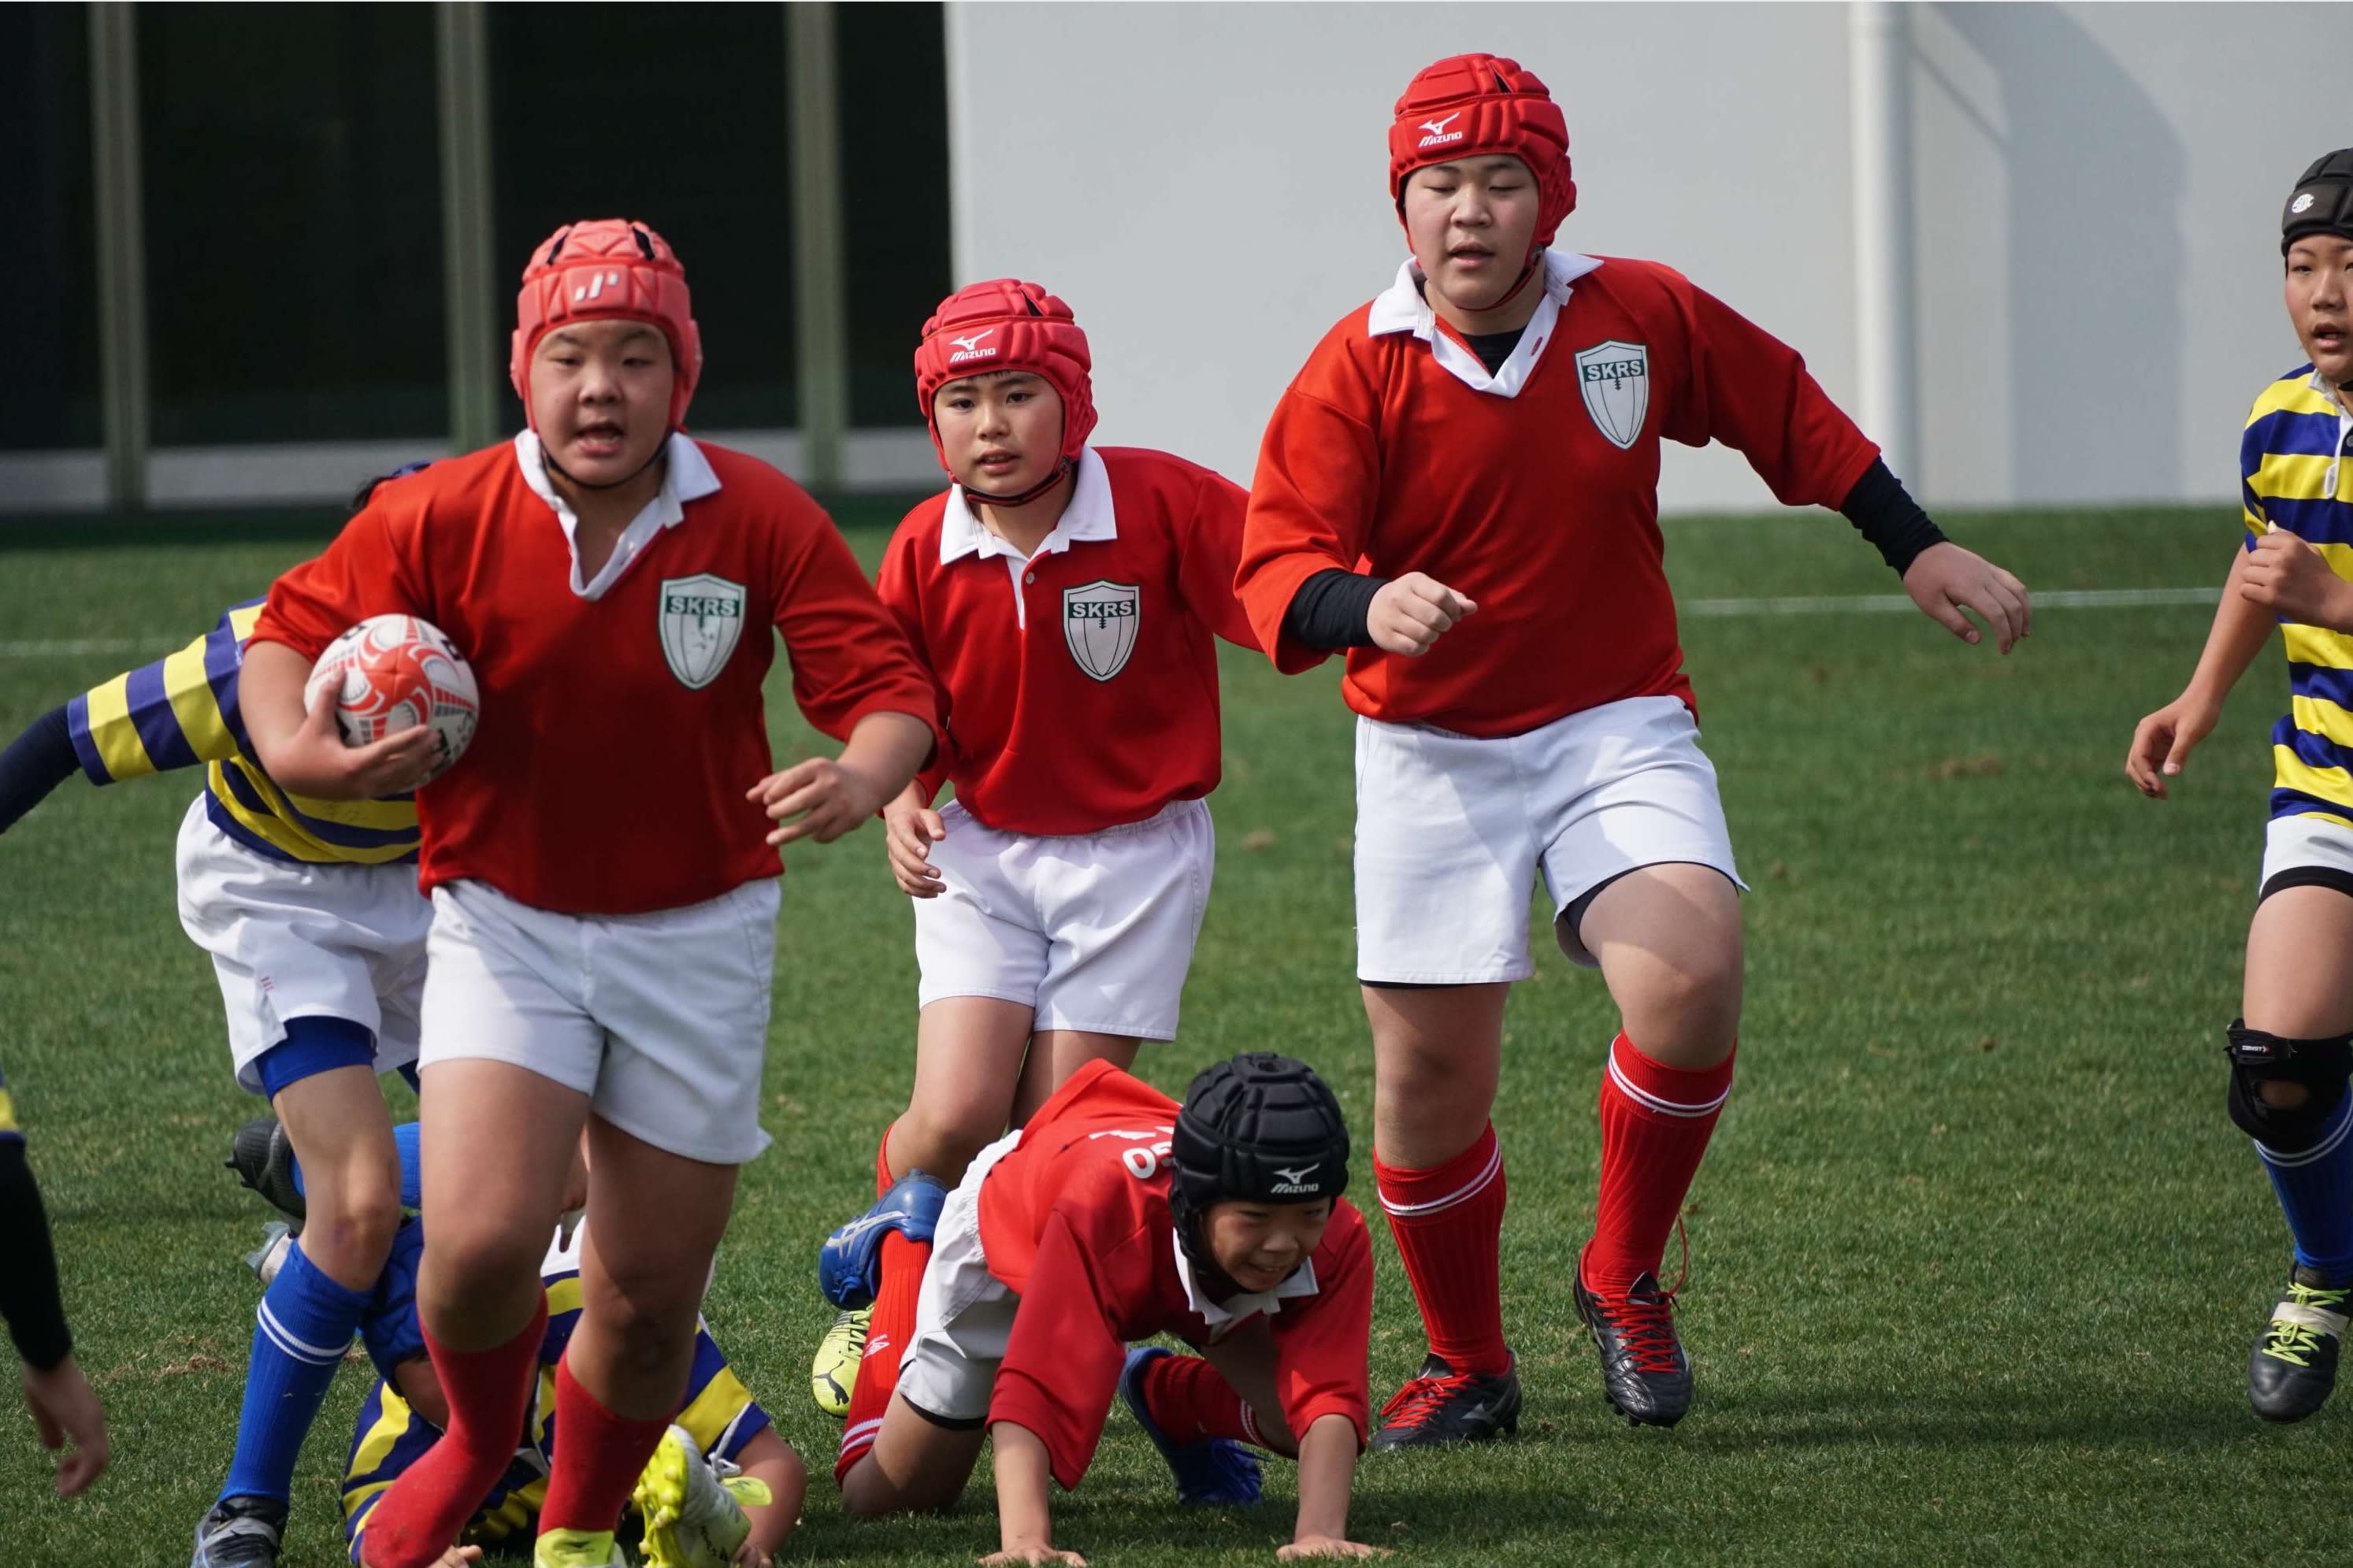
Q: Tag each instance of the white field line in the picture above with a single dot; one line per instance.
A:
(1893, 604)
(1826, 604)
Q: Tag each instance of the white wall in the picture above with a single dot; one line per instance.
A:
(2098, 193)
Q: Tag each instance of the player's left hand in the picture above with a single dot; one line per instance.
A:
(1313, 1546)
(64, 1406)
(2295, 581)
(1945, 580)
(749, 1555)
(459, 1557)
(818, 799)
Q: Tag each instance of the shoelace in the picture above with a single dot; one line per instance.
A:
(2296, 1342)
(1422, 1398)
(1646, 1327)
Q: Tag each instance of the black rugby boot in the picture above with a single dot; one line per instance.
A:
(241, 1533)
(1440, 1406)
(1644, 1373)
(263, 1158)
(2293, 1367)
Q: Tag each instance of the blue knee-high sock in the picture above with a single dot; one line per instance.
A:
(412, 1181)
(300, 1335)
(2316, 1191)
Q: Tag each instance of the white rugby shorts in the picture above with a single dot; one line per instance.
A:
(294, 940)
(1452, 831)
(2295, 843)
(1094, 931)
(964, 1314)
(661, 1018)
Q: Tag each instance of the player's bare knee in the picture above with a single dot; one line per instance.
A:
(354, 1231)
(941, 1140)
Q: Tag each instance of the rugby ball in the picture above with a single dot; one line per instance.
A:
(392, 673)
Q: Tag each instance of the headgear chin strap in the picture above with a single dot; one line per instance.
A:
(1007, 324)
(611, 268)
(2322, 202)
(1472, 106)
(1261, 1127)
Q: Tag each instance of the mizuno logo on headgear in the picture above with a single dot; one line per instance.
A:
(969, 347)
(1295, 1181)
(1438, 135)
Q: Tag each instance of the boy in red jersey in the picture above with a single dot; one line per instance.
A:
(1114, 1216)
(603, 883)
(1067, 600)
(1460, 487)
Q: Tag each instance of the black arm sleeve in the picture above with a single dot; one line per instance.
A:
(1333, 609)
(1886, 515)
(29, 1281)
(36, 762)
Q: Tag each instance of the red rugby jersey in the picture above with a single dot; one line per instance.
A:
(1538, 498)
(1075, 1222)
(618, 733)
(1079, 688)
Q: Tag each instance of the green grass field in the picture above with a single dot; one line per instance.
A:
(1976, 1259)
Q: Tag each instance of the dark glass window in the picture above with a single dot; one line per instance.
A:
(49, 268)
(892, 87)
(675, 116)
(294, 214)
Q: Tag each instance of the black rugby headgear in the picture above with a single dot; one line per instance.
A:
(2323, 202)
(1261, 1127)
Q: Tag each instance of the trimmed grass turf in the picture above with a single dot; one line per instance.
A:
(1977, 1258)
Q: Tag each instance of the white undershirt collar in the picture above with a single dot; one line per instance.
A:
(1400, 308)
(1220, 1316)
(1087, 517)
(689, 477)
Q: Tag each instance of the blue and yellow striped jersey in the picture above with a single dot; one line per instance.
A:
(181, 712)
(2294, 474)
(720, 1412)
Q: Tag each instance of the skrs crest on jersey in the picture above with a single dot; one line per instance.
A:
(702, 621)
(1099, 622)
(1616, 380)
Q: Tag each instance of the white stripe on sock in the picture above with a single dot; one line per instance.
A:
(1462, 1195)
(286, 1342)
(1250, 1425)
(1649, 1101)
(2320, 1151)
(861, 1435)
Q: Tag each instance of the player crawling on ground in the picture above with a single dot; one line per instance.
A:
(1114, 1216)
(1067, 601)
(316, 933)
(2291, 1049)
(1461, 489)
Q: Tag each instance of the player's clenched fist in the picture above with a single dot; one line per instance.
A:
(1413, 611)
(910, 828)
(2295, 582)
(2163, 741)
(820, 799)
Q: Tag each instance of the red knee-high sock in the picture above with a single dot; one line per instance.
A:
(1448, 1224)
(598, 1458)
(1190, 1400)
(887, 1333)
(1655, 1124)
(488, 1391)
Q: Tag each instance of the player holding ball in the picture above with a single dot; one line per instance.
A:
(602, 873)
(1461, 489)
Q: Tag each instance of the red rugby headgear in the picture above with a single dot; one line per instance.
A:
(606, 267)
(1007, 324)
(1475, 105)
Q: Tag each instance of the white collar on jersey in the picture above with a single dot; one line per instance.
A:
(1401, 309)
(689, 479)
(1300, 1282)
(1088, 516)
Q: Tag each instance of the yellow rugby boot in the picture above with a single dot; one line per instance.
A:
(693, 1519)
(833, 1375)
